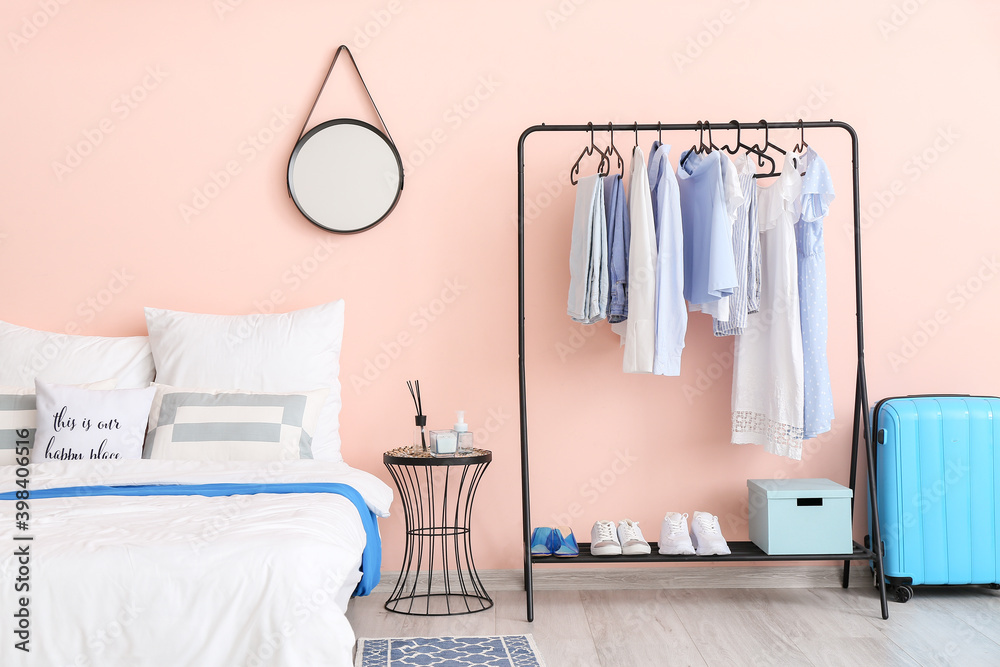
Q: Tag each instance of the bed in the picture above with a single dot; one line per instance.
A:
(261, 578)
(188, 555)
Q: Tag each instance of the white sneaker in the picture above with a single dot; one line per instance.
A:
(604, 540)
(706, 535)
(674, 537)
(630, 536)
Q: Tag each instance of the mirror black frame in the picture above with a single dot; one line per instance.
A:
(322, 126)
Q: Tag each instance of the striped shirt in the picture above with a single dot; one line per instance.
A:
(746, 251)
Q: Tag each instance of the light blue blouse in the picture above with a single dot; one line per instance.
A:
(709, 265)
(817, 193)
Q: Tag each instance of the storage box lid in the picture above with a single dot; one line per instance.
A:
(798, 488)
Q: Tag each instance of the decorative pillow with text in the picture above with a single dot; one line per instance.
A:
(18, 418)
(76, 424)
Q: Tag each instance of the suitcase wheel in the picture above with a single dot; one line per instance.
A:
(903, 593)
(995, 587)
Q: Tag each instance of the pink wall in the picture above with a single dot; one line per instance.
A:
(164, 95)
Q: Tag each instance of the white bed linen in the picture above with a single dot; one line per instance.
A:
(186, 580)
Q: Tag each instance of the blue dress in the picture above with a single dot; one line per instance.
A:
(817, 193)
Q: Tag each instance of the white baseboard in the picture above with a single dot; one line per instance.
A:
(777, 576)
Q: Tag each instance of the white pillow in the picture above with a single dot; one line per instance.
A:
(217, 425)
(26, 354)
(18, 418)
(281, 352)
(82, 424)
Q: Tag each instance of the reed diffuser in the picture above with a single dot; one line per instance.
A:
(420, 421)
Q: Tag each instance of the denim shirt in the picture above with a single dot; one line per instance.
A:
(619, 237)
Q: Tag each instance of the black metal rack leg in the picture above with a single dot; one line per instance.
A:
(854, 465)
(876, 539)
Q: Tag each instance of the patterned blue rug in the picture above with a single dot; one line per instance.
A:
(505, 651)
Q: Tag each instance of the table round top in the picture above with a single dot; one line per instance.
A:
(407, 457)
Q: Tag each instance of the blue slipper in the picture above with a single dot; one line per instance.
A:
(541, 542)
(564, 542)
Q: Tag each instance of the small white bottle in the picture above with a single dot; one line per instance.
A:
(464, 435)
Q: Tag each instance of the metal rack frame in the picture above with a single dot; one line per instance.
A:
(742, 551)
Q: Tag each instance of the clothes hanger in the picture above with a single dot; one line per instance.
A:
(735, 150)
(760, 163)
(659, 131)
(761, 153)
(767, 140)
(802, 145)
(750, 149)
(589, 150)
(612, 150)
(696, 148)
(711, 145)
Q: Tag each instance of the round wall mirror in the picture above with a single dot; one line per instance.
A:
(345, 175)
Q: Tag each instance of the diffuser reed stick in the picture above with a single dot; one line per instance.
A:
(421, 419)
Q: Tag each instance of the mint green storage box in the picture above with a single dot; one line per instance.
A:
(800, 516)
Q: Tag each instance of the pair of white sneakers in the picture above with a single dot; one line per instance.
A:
(704, 539)
(626, 540)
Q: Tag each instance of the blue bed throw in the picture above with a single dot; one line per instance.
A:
(371, 558)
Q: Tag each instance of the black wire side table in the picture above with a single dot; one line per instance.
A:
(438, 576)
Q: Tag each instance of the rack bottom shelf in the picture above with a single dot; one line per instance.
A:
(741, 551)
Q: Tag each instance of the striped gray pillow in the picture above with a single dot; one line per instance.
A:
(17, 421)
(223, 425)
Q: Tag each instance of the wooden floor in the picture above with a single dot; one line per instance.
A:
(819, 626)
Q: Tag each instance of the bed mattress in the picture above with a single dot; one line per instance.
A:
(248, 579)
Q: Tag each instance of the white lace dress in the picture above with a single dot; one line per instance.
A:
(767, 377)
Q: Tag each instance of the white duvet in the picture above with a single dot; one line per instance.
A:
(184, 580)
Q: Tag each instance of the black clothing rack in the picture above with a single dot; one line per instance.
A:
(741, 551)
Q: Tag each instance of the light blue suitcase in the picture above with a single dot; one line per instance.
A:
(937, 470)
